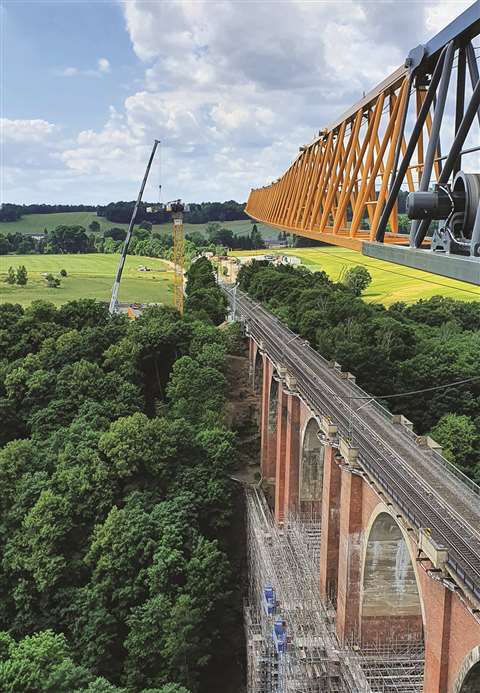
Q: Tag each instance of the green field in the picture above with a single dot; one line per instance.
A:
(390, 282)
(37, 223)
(89, 276)
(241, 227)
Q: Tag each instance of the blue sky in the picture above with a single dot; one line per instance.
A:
(44, 38)
(230, 88)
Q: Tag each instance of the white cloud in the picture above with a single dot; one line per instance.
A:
(103, 68)
(438, 15)
(103, 65)
(69, 72)
(233, 88)
(35, 130)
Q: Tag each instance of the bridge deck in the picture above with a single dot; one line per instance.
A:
(417, 479)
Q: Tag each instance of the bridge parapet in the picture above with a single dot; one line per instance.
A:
(349, 453)
(427, 442)
(329, 431)
(402, 420)
(436, 553)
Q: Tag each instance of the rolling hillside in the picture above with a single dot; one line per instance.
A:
(88, 276)
(36, 223)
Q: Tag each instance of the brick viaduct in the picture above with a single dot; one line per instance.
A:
(370, 567)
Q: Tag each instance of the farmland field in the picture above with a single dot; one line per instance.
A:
(390, 283)
(37, 223)
(89, 276)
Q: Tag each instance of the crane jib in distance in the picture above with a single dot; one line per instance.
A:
(343, 188)
(118, 276)
(177, 208)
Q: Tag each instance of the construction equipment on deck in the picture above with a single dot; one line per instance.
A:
(116, 284)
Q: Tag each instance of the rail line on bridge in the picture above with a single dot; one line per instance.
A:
(418, 482)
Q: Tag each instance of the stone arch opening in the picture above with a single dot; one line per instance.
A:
(258, 373)
(468, 679)
(269, 432)
(311, 467)
(272, 406)
(471, 682)
(391, 609)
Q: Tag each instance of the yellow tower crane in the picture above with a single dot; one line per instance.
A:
(177, 209)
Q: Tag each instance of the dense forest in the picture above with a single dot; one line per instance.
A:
(199, 213)
(405, 348)
(118, 569)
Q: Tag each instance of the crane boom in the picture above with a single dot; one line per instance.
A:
(116, 284)
(345, 187)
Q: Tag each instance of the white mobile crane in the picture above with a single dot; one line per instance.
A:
(116, 284)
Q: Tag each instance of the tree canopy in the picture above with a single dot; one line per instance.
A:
(115, 498)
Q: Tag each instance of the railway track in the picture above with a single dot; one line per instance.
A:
(427, 493)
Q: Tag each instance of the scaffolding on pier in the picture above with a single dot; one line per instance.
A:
(292, 646)
(283, 594)
(393, 667)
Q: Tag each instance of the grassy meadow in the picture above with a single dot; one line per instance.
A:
(37, 223)
(390, 283)
(89, 276)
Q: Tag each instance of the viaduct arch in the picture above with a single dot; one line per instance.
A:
(391, 604)
(471, 683)
(258, 372)
(363, 540)
(468, 680)
(311, 468)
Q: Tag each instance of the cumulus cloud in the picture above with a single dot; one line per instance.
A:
(233, 92)
(35, 130)
(103, 68)
(103, 65)
(28, 159)
(233, 88)
(438, 15)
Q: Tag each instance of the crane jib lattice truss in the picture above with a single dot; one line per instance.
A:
(343, 187)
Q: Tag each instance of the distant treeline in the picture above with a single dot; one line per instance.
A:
(145, 241)
(200, 213)
(10, 212)
(121, 212)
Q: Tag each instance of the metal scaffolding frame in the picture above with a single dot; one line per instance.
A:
(292, 645)
(393, 667)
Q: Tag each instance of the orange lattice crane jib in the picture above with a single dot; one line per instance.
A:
(177, 209)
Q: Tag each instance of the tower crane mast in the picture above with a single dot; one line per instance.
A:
(177, 209)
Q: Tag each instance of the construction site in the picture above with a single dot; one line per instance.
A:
(292, 644)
